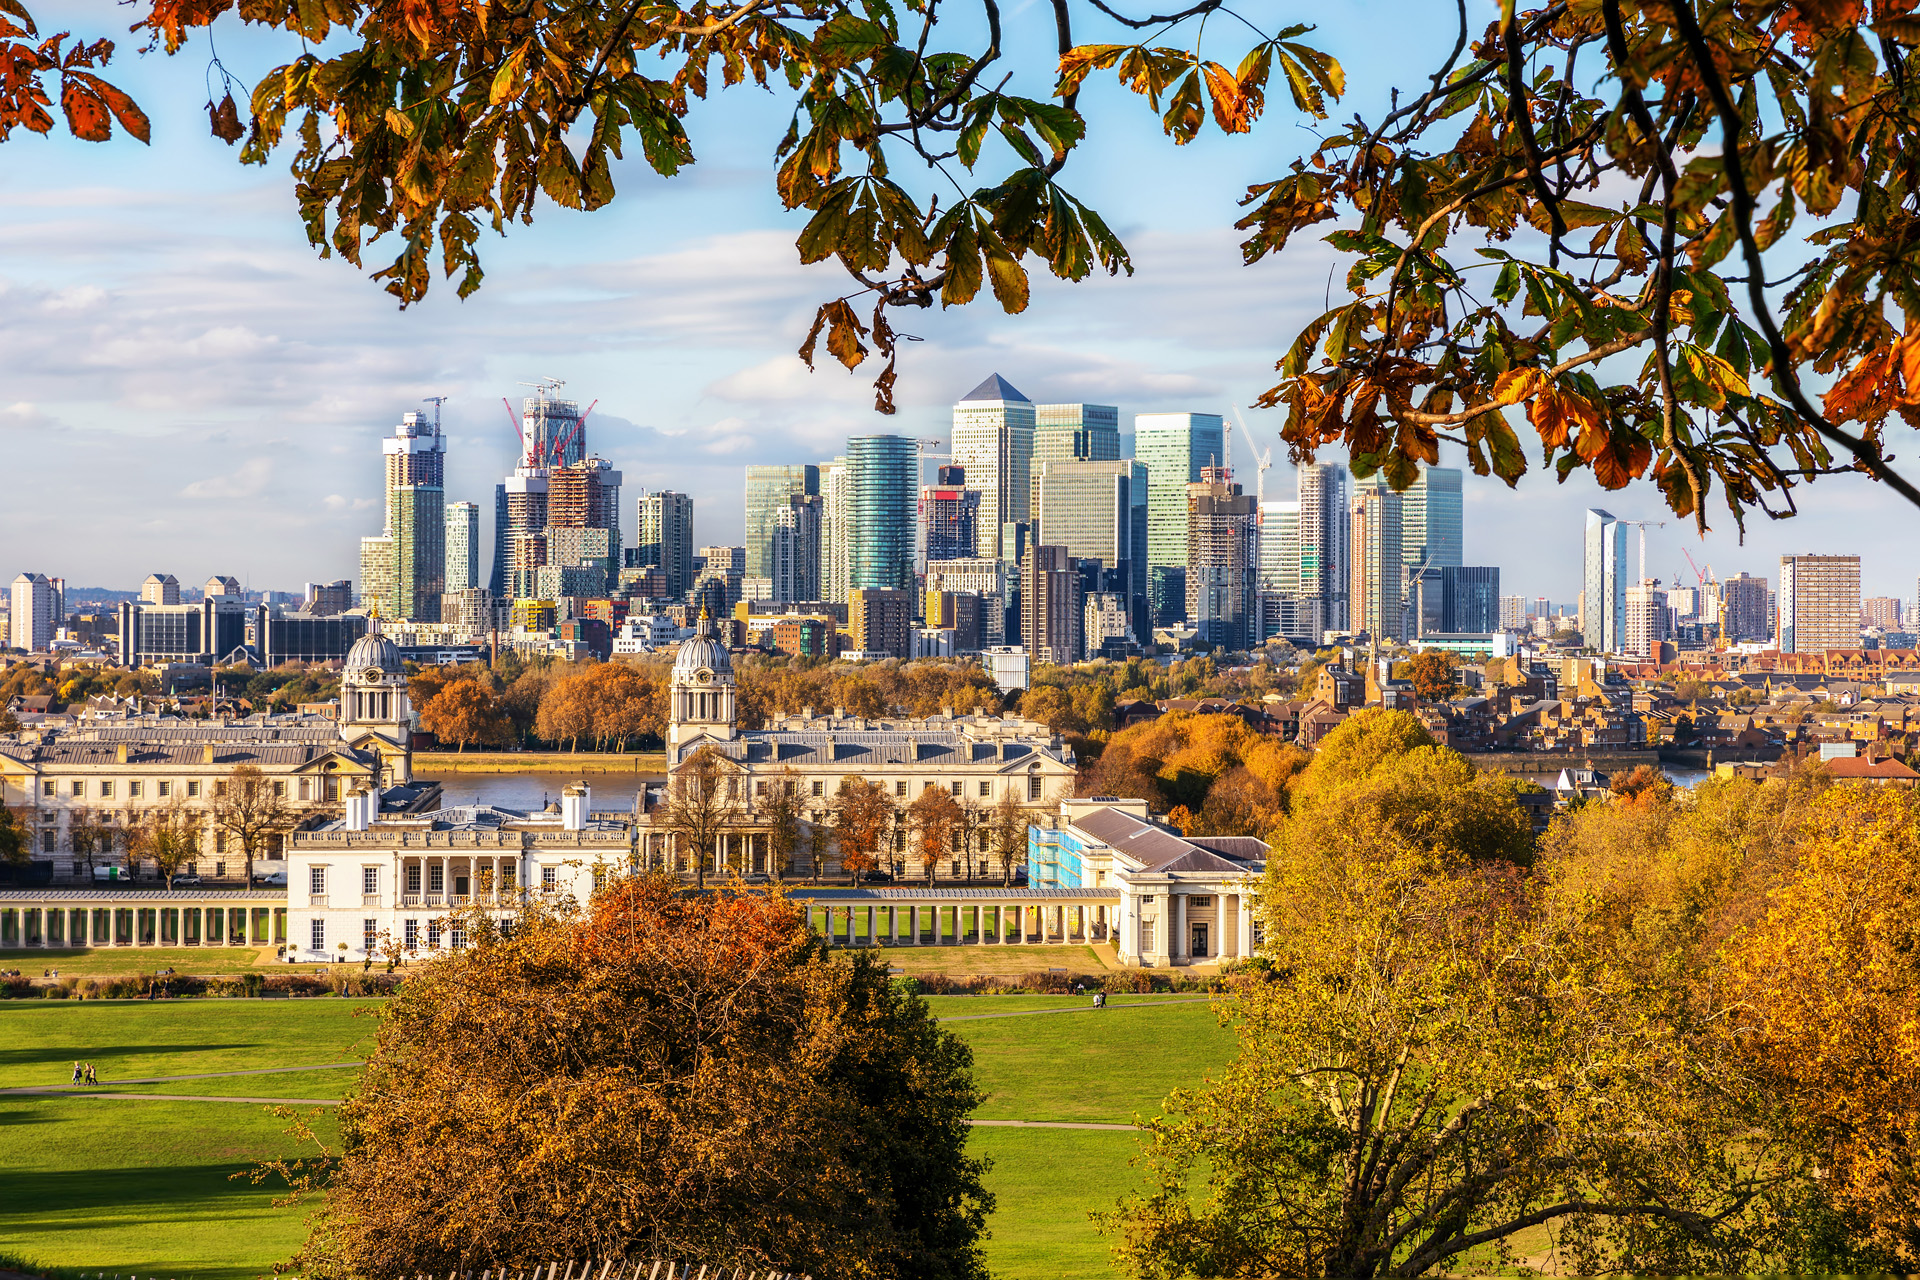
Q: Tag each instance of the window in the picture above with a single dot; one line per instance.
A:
(316, 879)
(819, 788)
(306, 788)
(411, 932)
(1259, 934)
(219, 842)
(436, 879)
(219, 787)
(369, 935)
(1197, 900)
(506, 877)
(106, 791)
(548, 879)
(46, 788)
(900, 788)
(193, 868)
(46, 842)
(1146, 936)
(599, 879)
(1034, 783)
(959, 789)
(135, 789)
(760, 787)
(456, 936)
(193, 789)
(166, 789)
(369, 879)
(79, 788)
(433, 935)
(80, 868)
(219, 869)
(986, 789)
(280, 790)
(319, 935)
(413, 879)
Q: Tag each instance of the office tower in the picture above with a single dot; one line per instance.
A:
(416, 532)
(1280, 547)
(1325, 542)
(36, 615)
(463, 546)
(836, 510)
(1603, 600)
(1819, 603)
(796, 549)
(993, 442)
(324, 598)
(1050, 608)
(723, 560)
(1223, 560)
(160, 588)
(1882, 612)
(1174, 447)
(1645, 612)
(983, 577)
(1513, 612)
(1378, 579)
(880, 620)
(376, 575)
(222, 584)
(583, 519)
(882, 479)
(961, 613)
(1469, 598)
(950, 511)
(553, 433)
(769, 489)
(1074, 433)
(1430, 519)
(663, 536)
(205, 632)
(497, 578)
(1099, 511)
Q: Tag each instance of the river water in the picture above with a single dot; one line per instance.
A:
(537, 790)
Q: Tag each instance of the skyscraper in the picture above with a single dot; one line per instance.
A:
(1745, 617)
(1819, 603)
(1051, 612)
(1223, 557)
(463, 546)
(796, 549)
(1174, 447)
(768, 491)
(1603, 597)
(1325, 542)
(1099, 511)
(993, 427)
(583, 518)
(1430, 519)
(1280, 547)
(1074, 433)
(1378, 582)
(882, 471)
(1645, 619)
(836, 510)
(410, 583)
(664, 536)
(1470, 596)
(950, 509)
(36, 613)
(553, 433)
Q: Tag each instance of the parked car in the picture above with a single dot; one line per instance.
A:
(877, 877)
(179, 881)
(276, 879)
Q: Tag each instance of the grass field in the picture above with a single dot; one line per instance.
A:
(96, 962)
(143, 1188)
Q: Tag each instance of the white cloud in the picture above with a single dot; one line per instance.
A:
(246, 481)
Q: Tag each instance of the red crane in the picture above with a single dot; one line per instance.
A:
(1696, 568)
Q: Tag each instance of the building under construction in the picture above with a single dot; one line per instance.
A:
(556, 486)
(1223, 560)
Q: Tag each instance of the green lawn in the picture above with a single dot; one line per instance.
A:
(135, 1187)
(97, 962)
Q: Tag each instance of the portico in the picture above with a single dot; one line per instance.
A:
(888, 915)
(68, 918)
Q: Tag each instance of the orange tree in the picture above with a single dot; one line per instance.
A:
(863, 820)
(936, 819)
(666, 1075)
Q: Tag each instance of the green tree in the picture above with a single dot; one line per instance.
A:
(693, 1076)
(16, 841)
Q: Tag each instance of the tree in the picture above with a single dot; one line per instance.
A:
(781, 811)
(685, 1075)
(818, 835)
(1052, 706)
(251, 810)
(16, 841)
(703, 804)
(91, 837)
(1432, 677)
(863, 818)
(566, 710)
(1009, 835)
(936, 820)
(465, 711)
(169, 836)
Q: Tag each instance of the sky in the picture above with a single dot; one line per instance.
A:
(187, 388)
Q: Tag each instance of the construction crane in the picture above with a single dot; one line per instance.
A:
(1642, 525)
(436, 402)
(1705, 577)
(1260, 460)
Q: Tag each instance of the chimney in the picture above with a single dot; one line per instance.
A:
(362, 802)
(120, 753)
(575, 804)
(209, 754)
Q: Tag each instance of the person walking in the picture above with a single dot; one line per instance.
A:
(76, 1073)
(93, 1077)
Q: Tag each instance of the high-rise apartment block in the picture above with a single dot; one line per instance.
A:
(880, 620)
(1746, 609)
(36, 612)
(1100, 511)
(796, 549)
(1175, 448)
(1325, 533)
(1882, 612)
(160, 588)
(463, 546)
(770, 490)
(836, 515)
(882, 482)
(411, 584)
(950, 511)
(1513, 613)
(376, 575)
(322, 599)
(1223, 560)
(1646, 619)
(1603, 595)
(993, 432)
(983, 577)
(583, 520)
(1377, 589)
(1050, 605)
(1819, 603)
(1105, 618)
(663, 536)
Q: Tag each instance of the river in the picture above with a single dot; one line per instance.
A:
(536, 790)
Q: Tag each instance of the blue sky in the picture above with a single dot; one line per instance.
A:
(186, 387)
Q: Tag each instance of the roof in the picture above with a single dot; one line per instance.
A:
(881, 748)
(988, 894)
(995, 388)
(1856, 767)
(1159, 849)
(138, 896)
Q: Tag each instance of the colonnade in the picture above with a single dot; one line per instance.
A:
(430, 880)
(881, 922)
(142, 926)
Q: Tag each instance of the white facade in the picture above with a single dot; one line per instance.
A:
(646, 632)
(36, 612)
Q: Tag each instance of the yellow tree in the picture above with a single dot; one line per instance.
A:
(169, 836)
(863, 818)
(465, 711)
(703, 806)
(935, 819)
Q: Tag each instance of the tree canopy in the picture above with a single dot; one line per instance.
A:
(1642, 223)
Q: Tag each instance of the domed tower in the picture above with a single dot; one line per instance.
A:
(703, 691)
(375, 712)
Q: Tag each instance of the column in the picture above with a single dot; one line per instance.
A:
(1177, 938)
(893, 921)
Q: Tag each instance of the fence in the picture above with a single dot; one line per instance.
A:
(620, 1269)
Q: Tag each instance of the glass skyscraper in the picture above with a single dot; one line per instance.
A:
(1325, 539)
(882, 493)
(1603, 596)
(1098, 511)
(463, 546)
(993, 444)
(1174, 447)
(770, 490)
